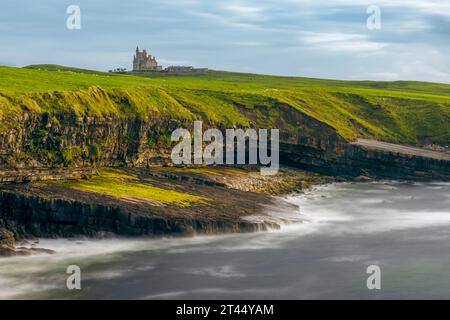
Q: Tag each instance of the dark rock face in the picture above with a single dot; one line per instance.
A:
(20, 175)
(40, 217)
(45, 141)
(7, 243)
(57, 141)
(351, 161)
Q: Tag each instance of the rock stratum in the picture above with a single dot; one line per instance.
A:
(156, 202)
(44, 146)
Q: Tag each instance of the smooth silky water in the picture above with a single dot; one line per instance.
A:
(402, 227)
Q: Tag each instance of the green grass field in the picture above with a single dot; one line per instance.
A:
(403, 112)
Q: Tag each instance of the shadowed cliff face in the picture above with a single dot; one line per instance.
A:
(67, 140)
(352, 161)
(64, 140)
(42, 217)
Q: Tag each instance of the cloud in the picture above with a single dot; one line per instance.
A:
(339, 42)
(245, 11)
(222, 20)
(248, 44)
(434, 7)
(316, 37)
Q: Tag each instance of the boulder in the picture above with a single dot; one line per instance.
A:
(7, 243)
(363, 179)
(24, 251)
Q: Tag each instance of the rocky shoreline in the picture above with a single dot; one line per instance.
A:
(159, 200)
(50, 209)
(10, 247)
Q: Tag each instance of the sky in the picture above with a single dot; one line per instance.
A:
(310, 38)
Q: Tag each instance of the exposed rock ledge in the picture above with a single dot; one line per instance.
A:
(402, 149)
(18, 175)
(41, 209)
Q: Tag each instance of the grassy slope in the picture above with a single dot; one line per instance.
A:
(55, 67)
(393, 111)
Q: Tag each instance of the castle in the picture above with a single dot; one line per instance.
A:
(144, 62)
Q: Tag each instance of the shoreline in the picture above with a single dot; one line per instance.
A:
(236, 201)
(218, 201)
(39, 247)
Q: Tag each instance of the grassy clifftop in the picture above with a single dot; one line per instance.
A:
(404, 112)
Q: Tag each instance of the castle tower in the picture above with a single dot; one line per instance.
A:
(142, 61)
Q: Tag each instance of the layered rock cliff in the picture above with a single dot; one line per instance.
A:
(64, 145)
(42, 145)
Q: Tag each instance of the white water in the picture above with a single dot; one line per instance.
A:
(403, 228)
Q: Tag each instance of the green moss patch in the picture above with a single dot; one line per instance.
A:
(119, 184)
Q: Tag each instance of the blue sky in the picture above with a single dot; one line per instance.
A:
(324, 39)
